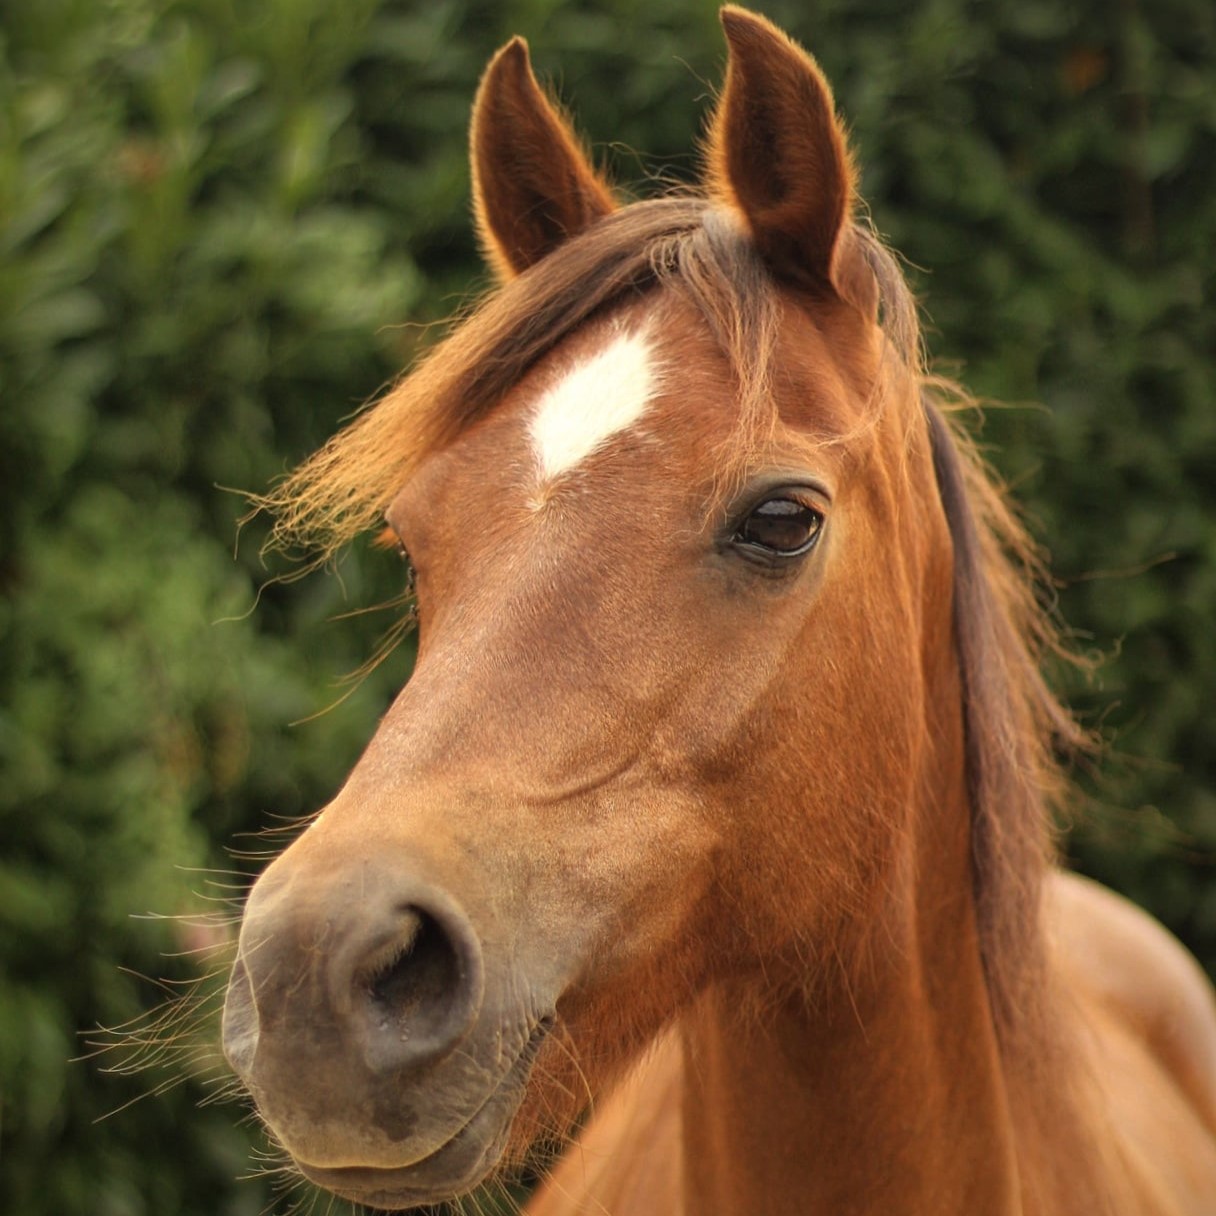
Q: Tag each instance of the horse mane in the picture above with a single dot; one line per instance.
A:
(1015, 729)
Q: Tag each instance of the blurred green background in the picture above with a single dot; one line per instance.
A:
(223, 224)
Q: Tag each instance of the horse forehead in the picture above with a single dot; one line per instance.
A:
(657, 371)
(592, 397)
(614, 382)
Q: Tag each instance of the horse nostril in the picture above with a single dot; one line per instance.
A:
(418, 993)
(418, 973)
(373, 969)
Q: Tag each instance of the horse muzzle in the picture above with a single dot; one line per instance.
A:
(380, 1049)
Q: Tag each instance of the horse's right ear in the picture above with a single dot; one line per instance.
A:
(533, 187)
(778, 155)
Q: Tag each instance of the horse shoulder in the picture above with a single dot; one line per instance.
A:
(1150, 1016)
(628, 1158)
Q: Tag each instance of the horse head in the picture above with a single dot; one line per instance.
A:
(687, 708)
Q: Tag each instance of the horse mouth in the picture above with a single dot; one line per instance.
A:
(457, 1165)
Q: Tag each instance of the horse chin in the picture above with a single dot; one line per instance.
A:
(460, 1164)
(454, 1169)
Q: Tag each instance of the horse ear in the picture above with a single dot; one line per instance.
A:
(533, 187)
(778, 154)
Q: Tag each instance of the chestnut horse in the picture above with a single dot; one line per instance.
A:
(718, 802)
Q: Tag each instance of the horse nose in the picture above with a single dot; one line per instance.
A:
(412, 992)
(369, 970)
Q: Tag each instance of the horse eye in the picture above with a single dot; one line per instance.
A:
(411, 575)
(780, 527)
(388, 539)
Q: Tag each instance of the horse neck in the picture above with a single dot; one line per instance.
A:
(881, 1090)
(885, 1086)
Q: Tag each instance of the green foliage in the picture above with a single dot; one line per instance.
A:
(215, 219)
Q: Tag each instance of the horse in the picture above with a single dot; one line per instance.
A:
(716, 813)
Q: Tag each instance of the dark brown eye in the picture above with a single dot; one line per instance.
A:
(388, 539)
(780, 527)
(411, 575)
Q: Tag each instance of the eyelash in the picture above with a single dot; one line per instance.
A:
(388, 539)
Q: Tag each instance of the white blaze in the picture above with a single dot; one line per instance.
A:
(596, 399)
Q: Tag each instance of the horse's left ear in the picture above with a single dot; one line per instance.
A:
(778, 154)
(533, 187)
